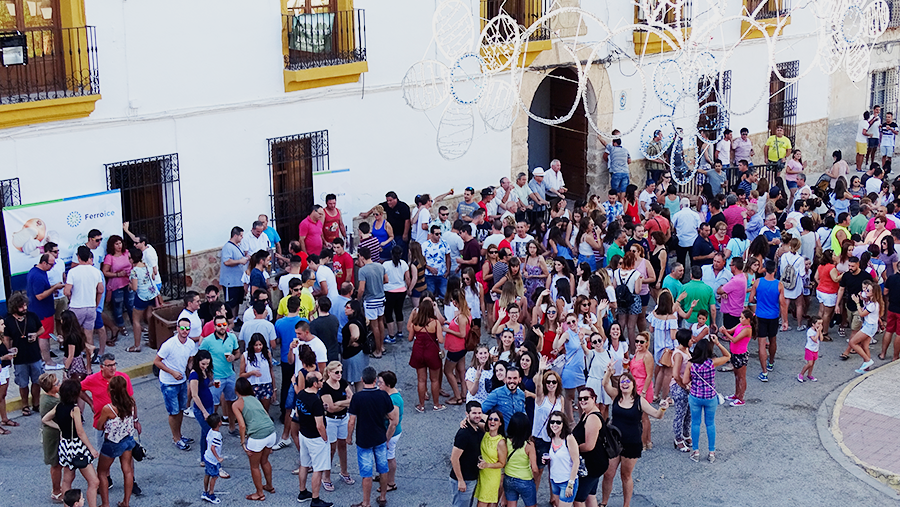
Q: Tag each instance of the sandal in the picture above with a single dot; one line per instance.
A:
(373, 356)
(13, 424)
(458, 401)
(390, 487)
(225, 475)
(26, 411)
(256, 498)
(4, 431)
(438, 408)
(270, 489)
(880, 356)
(133, 349)
(844, 357)
(420, 409)
(56, 497)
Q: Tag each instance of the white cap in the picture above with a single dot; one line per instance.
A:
(538, 171)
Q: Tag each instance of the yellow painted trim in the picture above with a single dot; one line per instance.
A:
(318, 77)
(749, 31)
(650, 43)
(526, 58)
(41, 111)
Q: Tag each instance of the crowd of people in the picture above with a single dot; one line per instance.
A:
(584, 318)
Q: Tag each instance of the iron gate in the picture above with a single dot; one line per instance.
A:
(151, 202)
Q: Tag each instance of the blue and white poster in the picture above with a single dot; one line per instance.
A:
(65, 222)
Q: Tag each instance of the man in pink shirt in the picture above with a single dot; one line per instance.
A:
(311, 231)
(734, 214)
(97, 385)
(731, 295)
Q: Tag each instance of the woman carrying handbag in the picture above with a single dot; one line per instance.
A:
(75, 449)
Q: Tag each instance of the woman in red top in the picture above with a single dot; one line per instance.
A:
(827, 279)
(720, 238)
(425, 329)
(455, 344)
(631, 204)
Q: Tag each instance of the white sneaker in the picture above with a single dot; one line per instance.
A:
(55, 366)
(189, 413)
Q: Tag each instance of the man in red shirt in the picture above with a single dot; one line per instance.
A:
(97, 385)
(341, 263)
(657, 222)
(311, 231)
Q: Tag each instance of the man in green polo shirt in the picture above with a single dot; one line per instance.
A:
(706, 299)
(673, 281)
(224, 349)
(859, 222)
(616, 248)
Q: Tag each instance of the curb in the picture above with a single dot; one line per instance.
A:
(891, 479)
(139, 370)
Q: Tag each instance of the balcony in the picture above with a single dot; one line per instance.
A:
(59, 78)
(678, 28)
(525, 13)
(769, 15)
(324, 49)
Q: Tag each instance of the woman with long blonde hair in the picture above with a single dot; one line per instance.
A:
(869, 303)
(549, 398)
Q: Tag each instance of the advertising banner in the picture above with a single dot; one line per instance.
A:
(65, 222)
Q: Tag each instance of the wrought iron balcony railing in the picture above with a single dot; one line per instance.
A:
(525, 12)
(56, 63)
(325, 39)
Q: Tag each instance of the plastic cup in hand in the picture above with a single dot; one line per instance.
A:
(217, 384)
(14, 351)
(546, 457)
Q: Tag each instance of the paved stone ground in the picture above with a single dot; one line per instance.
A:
(770, 452)
(868, 422)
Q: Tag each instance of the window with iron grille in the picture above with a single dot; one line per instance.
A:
(292, 162)
(894, 6)
(9, 193)
(711, 93)
(9, 196)
(151, 203)
(770, 8)
(668, 15)
(783, 100)
(525, 12)
(884, 91)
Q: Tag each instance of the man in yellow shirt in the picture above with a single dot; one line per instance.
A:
(301, 287)
(778, 148)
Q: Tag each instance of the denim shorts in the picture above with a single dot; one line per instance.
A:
(514, 488)
(212, 469)
(619, 181)
(559, 489)
(175, 396)
(114, 450)
(226, 386)
(140, 304)
(28, 372)
(372, 459)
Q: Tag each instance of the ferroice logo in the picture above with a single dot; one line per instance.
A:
(73, 219)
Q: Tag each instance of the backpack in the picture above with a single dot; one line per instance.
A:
(789, 277)
(624, 296)
(611, 439)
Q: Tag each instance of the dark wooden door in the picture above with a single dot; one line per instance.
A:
(568, 141)
(292, 186)
(44, 73)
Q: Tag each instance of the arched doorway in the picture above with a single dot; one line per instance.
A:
(567, 141)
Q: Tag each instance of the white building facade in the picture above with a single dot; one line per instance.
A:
(207, 117)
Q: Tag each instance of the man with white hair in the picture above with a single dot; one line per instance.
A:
(537, 195)
(686, 222)
(506, 197)
(257, 239)
(803, 190)
(554, 179)
(754, 220)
